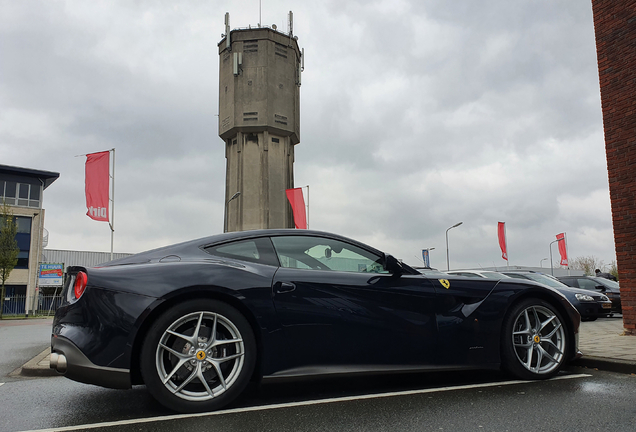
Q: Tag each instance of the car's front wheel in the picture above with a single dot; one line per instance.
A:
(198, 356)
(534, 344)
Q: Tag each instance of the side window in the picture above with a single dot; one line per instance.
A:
(318, 253)
(587, 284)
(257, 250)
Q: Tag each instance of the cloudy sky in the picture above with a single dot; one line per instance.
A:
(415, 115)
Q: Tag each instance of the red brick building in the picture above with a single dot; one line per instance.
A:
(615, 28)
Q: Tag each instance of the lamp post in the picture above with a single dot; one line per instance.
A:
(447, 256)
(227, 215)
(541, 262)
(551, 265)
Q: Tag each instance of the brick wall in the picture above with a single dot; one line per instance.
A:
(615, 28)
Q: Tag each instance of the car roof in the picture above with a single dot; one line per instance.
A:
(191, 246)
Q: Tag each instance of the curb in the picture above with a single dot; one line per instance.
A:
(39, 365)
(606, 364)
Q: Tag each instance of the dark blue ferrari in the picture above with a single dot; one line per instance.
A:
(197, 321)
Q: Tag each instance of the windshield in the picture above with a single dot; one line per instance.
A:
(606, 282)
(546, 280)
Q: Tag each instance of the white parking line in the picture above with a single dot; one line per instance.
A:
(296, 404)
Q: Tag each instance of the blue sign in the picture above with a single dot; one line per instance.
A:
(51, 274)
(425, 258)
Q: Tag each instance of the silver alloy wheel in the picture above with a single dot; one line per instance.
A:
(200, 356)
(538, 338)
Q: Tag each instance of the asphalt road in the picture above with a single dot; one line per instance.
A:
(579, 400)
(21, 340)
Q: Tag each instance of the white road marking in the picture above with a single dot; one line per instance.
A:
(1, 384)
(296, 404)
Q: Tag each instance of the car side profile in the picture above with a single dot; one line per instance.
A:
(197, 321)
(591, 305)
(597, 284)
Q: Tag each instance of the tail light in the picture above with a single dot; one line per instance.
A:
(80, 284)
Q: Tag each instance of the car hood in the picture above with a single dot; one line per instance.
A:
(573, 290)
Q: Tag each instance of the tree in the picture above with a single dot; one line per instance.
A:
(8, 248)
(613, 269)
(588, 264)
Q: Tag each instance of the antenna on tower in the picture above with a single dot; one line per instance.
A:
(227, 30)
(291, 24)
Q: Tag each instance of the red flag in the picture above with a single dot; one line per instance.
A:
(97, 181)
(501, 232)
(295, 197)
(563, 249)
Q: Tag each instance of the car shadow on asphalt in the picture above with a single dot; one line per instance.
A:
(306, 389)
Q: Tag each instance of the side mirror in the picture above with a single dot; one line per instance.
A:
(601, 287)
(393, 265)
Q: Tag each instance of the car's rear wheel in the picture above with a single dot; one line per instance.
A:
(534, 344)
(198, 356)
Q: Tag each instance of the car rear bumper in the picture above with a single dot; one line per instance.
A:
(69, 361)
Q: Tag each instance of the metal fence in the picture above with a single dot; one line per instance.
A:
(45, 305)
(14, 305)
(48, 304)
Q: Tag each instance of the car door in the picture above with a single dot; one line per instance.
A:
(468, 329)
(340, 307)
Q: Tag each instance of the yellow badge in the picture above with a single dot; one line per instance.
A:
(201, 355)
(537, 339)
(445, 283)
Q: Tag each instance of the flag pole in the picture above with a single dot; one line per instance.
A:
(112, 208)
(507, 249)
(565, 238)
(307, 206)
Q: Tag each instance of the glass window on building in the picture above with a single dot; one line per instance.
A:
(8, 192)
(23, 260)
(23, 190)
(24, 224)
(21, 194)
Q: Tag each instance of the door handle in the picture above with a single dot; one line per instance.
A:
(283, 287)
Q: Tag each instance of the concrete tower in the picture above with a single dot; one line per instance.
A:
(259, 120)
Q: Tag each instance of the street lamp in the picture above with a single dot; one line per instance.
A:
(227, 215)
(541, 262)
(447, 257)
(551, 265)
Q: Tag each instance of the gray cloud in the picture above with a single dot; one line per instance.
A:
(414, 116)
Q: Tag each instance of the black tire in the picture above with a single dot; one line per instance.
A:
(171, 353)
(534, 340)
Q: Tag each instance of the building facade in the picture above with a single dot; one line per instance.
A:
(259, 121)
(23, 190)
(615, 30)
(78, 258)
